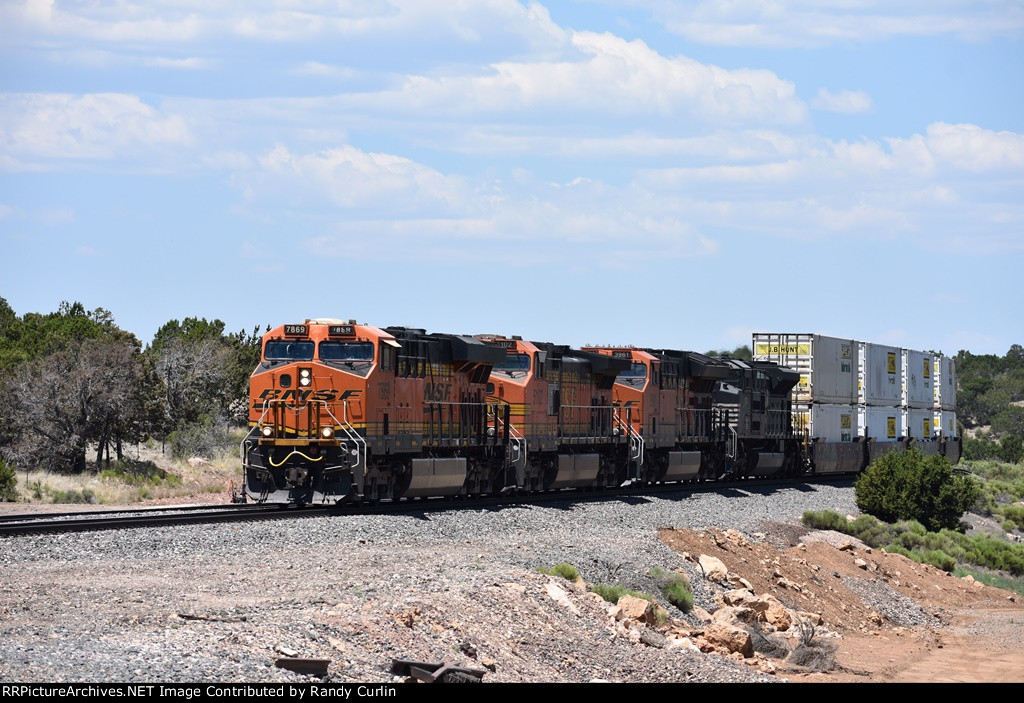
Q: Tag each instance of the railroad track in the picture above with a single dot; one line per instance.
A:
(49, 523)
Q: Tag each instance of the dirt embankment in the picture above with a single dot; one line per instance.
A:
(890, 619)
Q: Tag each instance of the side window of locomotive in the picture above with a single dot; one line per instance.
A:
(387, 357)
(356, 352)
(288, 350)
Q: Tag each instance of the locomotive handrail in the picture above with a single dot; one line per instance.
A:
(585, 422)
(355, 438)
(704, 422)
(456, 430)
(518, 450)
(636, 441)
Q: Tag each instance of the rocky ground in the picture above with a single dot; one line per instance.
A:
(224, 602)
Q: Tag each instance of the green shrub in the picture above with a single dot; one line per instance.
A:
(8, 482)
(144, 473)
(612, 593)
(206, 436)
(73, 496)
(675, 587)
(825, 520)
(909, 486)
(1011, 449)
(679, 594)
(938, 559)
(562, 569)
(997, 580)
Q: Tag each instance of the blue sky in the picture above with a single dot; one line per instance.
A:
(671, 174)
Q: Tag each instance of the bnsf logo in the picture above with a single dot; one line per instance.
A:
(301, 396)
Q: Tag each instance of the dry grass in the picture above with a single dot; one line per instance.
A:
(211, 477)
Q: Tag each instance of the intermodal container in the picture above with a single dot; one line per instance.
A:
(918, 379)
(883, 423)
(921, 423)
(827, 365)
(880, 374)
(831, 423)
(945, 422)
(945, 383)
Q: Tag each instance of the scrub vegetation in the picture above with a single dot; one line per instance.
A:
(78, 395)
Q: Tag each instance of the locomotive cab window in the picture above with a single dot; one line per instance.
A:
(288, 350)
(346, 351)
(514, 363)
(634, 376)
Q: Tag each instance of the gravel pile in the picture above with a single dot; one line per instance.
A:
(892, 605)
(222, 602)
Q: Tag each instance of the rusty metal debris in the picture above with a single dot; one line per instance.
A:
(310, 667)
(436, 672)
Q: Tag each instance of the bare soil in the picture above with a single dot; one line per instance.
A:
(977, 633)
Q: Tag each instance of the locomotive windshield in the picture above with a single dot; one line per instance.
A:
(346, 351)
(634, 376)
(288, 350)
(514, 362)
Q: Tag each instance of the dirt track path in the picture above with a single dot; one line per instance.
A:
(980, 647)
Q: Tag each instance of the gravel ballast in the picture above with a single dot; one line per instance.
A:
(221, 602)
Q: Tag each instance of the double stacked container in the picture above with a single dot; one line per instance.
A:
(825, 401)
(858, 400)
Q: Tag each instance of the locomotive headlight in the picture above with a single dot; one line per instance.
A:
(327, 432)
(304, 381)
(305, 377)
(267, 430)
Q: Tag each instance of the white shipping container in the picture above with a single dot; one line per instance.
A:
(920, 423)
(918, 386)
(832, 423)
(880, 367)
(945, 421)
(944, 377)
(827, 365)
(883, 423)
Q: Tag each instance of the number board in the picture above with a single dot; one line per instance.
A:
(622, 355)
(341, 330)
(296, 329)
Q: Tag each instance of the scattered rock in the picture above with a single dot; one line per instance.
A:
(713, 568)
(637, 609)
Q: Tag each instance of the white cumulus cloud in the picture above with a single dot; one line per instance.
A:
(847, 102)
(38, 131)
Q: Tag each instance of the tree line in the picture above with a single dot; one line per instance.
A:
(990, 394)
(72, 381)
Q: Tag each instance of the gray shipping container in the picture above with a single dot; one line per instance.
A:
(944, 378)
(921, 423)
(945, 421)
(918, 379)
(882, 423)
(832, 423)
(880, 375)
(827, 365)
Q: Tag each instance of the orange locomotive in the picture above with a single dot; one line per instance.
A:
(675, 433)
(341, 410)
(564, 429)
